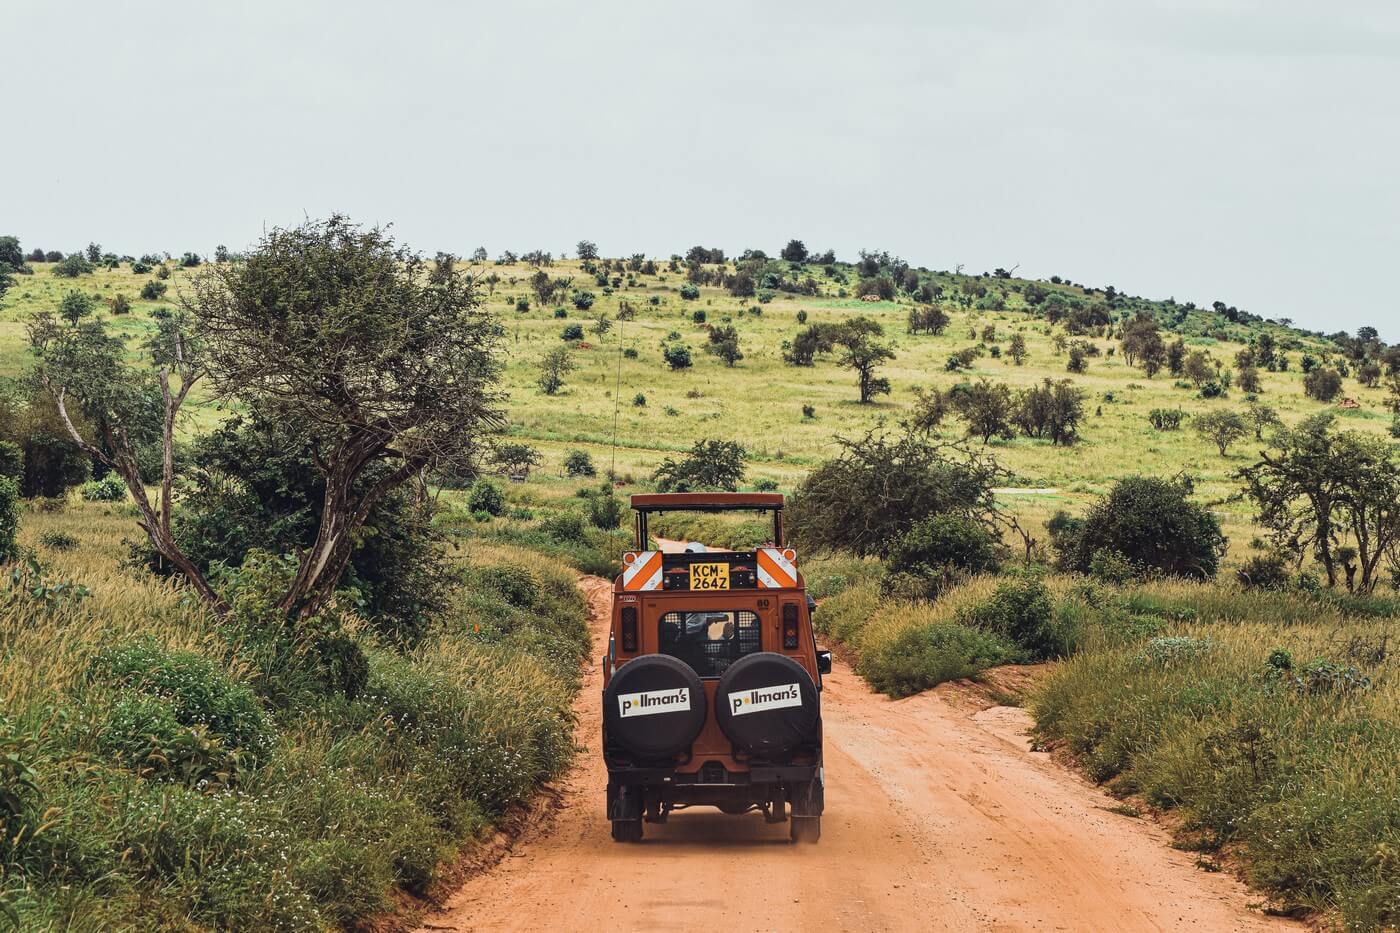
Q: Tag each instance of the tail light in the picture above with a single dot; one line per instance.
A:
(789, 626)
(629, 628)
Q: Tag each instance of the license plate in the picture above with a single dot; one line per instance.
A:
(709, 576)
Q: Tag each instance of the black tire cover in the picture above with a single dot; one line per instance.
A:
(767, 704)
(654, 706)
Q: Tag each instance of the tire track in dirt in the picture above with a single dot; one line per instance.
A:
(937, 818)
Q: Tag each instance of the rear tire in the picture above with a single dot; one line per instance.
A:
(627, 830)
(806, 829)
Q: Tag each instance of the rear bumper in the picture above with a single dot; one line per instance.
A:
(756, 775)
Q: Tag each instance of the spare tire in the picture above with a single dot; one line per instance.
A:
(654, 706)
(767, 704)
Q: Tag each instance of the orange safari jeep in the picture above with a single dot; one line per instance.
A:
(712, 680)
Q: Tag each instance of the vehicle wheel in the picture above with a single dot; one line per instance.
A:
(806, 828)
(627, 830)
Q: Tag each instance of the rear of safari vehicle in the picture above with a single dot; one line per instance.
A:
(712, 679)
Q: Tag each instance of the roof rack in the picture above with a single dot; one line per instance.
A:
(707, 501)
(646, 503)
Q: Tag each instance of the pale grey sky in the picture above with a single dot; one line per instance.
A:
(1238, 150)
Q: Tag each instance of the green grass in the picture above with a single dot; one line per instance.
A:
(346, 799)
(1296, 772)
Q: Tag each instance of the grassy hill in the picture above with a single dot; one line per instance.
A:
(760, 400)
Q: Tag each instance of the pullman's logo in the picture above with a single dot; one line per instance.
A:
(765, 698)
(651, 702)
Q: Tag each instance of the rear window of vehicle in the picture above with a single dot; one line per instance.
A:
(712, 640)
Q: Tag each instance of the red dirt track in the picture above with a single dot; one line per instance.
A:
(938, 817)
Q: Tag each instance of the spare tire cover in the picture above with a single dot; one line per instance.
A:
(767, 704)
(654, 706)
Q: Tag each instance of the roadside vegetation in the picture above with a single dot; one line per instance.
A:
(163, 768)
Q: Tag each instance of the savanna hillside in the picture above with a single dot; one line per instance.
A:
(1030, 471)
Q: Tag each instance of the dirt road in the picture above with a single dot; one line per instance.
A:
(938, 817)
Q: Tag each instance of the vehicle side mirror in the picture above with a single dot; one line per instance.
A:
(823, 662)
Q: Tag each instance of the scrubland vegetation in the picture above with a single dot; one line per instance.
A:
(331, 656)
(164, 768)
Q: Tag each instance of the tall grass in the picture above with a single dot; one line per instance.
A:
(173, 824)
(1270, 723)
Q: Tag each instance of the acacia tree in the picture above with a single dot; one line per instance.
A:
(327, 327)
(83, 367)
(1334, 494)
(1221, 428)
(338, 329)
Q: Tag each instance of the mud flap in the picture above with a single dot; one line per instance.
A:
(624, 802)
(809, 797)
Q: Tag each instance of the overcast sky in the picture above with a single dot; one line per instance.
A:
(1246, 151)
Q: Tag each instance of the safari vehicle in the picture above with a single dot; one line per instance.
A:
(712, 680)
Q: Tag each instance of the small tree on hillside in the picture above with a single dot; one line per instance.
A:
(927, 319)
(795, 251)
(724, 343)
(1017, 349)
(986, 407)
(862, 355)
(555, 365)
(1323, 384)
(1248, 379)
(1051, 409)
(710, 464)
(881, 485)
(931, 406)
(586, 250)
(1221, 428)
(1332, 495)
(1197, 368)
(1262, 417)
(513, 458)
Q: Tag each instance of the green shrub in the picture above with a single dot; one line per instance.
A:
(924, 656)
(153, 290)
(564, 527)
(145, 734)
(579, 463)
(709, 464)
(1148, 522)
(690, 292)
(1263, 572)
(58, 541)
(11, 460)
(485, 496)
(571, 332)
(677, 356)
(605, 511)
(1021, 612)
(72, 266)
(516, 585)
(1165, 419)
(110, 488)
(942, 547)
(198, 692)
(9, 519)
